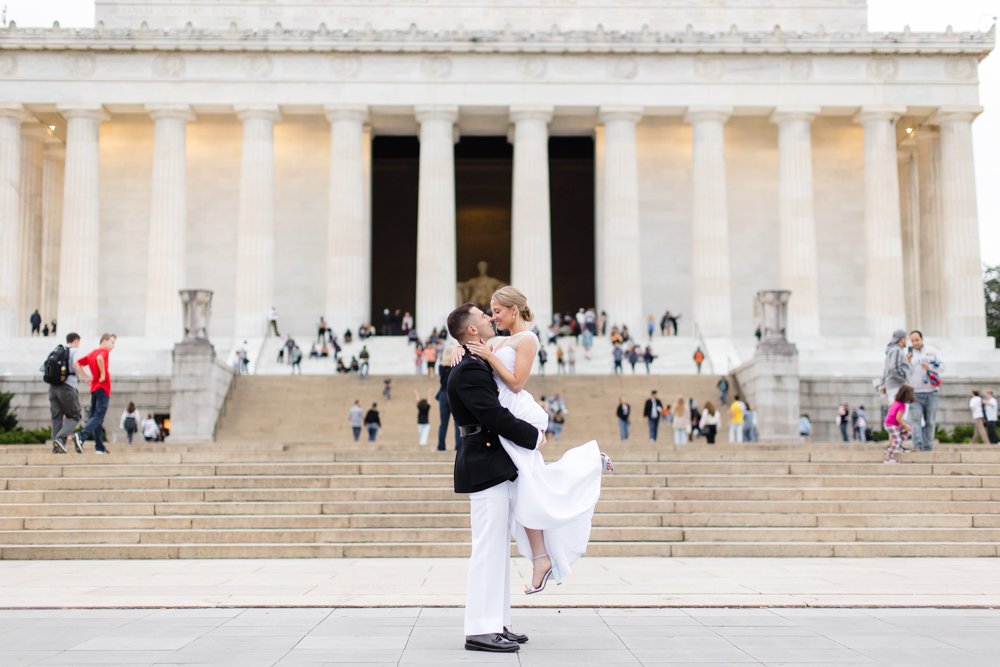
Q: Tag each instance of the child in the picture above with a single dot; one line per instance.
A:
(894, 423)
(805, 428)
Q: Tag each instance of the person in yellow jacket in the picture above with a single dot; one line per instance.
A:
(736, 420)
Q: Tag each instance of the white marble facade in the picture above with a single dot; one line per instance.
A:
(233, 153)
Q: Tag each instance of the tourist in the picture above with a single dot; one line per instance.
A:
(98, 363)
(673, 322)
(633, 357)
(571, 359)
(894, 423)
(543, 358)
(581, 320)
(356, 417)
(624, 413)
(805, 428)
(925, 378)
(647, 358)
(341, 368)
(896, 370)
(290, 345)
(749, 423)
(348, 337)
(978, 418)
(355, 367)
(444, 407)
(272, 320)
(387, 389)
(616, 335)
(723, 386)
(709, 422)
(650, 325)
(736, 409)
(296, 357)
(129, 421)
(695, 418)
(859, 421)
(557, 419)
(150, 429)
(372, 422)
(699, 358)
(588, 342)
(423, 417)
(652, 411)
(602, 323)
(990, 414)
(321, 330)
(314, 351)
(843, 420)
(590, 320)
(53, 328)
(45, 330)
(626, 336)
(665, 324)
(244, 358)
(430, 357)
(616, 355)
(406, 324)
(681, 421)
(364, 357)
(64, 396)
(560, 361)
(36, 323)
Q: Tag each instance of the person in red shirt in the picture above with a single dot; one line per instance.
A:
(97, 362)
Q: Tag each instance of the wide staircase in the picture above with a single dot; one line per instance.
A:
(286, 479)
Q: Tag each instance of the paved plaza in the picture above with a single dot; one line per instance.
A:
(433, 636)
(613, 611)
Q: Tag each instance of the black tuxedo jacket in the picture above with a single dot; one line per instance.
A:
(647, 409)
(481, 461)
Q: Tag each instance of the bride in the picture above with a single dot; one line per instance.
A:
(554, 503)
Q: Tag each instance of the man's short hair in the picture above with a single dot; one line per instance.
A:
(72, 337)
(107, 336)
(918, 332)
(458, 321)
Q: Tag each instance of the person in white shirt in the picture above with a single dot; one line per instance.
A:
(150, 429)
(978, 417)
(990, 413)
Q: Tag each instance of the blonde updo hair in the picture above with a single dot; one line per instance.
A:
(513, 298)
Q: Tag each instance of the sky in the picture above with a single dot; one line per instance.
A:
(883, 15)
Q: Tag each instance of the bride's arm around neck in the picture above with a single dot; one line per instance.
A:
(526, 348)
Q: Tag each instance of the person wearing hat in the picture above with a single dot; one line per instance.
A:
(897, 368)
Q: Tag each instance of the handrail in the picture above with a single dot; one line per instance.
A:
(704, 347)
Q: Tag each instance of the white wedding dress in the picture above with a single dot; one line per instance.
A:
(559, 497)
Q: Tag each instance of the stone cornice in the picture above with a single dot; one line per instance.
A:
(643, 41)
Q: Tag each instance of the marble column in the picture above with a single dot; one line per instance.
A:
(711, 291)
(931, 233)
(884, 309)
(79, 254)
(621, 273)
(796, 221)
(32, 149)
(166, 258)
(964, 307)
(349, 247)
(531, 228)
(436, 240)
(909, 218)
(255, 234)
(10, 217)
(52, 199)
(598, 214)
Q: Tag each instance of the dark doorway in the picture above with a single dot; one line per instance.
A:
(484, 171)
(483, 196)
(571, 193)
(395, 179)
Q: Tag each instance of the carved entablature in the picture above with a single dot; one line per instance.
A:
(642, 40)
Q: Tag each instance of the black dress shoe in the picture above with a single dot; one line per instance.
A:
(494, 642)
(510, 635)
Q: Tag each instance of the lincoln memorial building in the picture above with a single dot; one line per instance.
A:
(335, 157)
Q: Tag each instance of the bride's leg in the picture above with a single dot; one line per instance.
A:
(536, 538)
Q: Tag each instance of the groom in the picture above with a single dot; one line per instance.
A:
(484, 470)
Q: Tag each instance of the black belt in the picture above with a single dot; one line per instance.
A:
(471, 429)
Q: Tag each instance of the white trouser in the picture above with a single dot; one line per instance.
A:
(736, 432)
(487, 597)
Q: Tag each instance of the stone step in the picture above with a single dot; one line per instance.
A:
(315, 521)
(288, 535)
(461, 550)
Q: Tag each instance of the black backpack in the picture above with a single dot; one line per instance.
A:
(55, 370)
